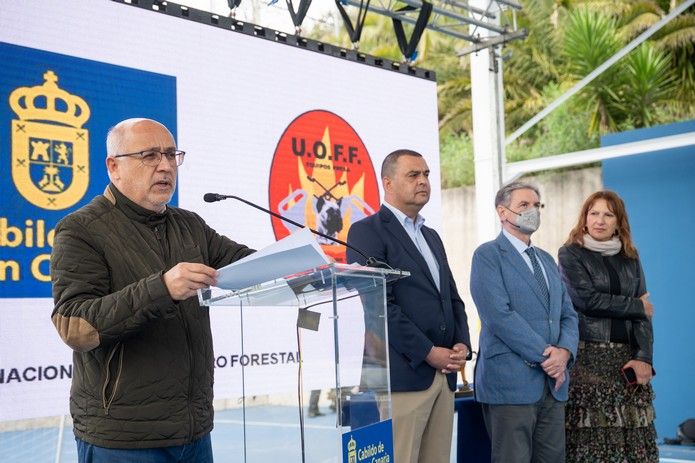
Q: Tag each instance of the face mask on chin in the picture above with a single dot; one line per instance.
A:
(528, 221)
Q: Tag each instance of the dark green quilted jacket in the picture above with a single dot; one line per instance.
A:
(143, 363)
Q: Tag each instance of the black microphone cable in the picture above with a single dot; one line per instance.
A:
(370, 261)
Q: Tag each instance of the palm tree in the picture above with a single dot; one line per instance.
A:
(649, 81)
(589, 41)
(638, 17)
(677, 38)
(454, 96)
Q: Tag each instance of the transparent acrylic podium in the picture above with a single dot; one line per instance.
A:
(335, 318)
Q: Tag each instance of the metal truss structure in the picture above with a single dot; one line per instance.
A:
(450, 17)
(478, 22)
(455, 18)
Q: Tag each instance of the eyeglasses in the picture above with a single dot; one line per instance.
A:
(152, 158)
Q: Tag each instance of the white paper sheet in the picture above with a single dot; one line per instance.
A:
(293, 254)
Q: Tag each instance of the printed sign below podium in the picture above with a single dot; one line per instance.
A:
(373, 444)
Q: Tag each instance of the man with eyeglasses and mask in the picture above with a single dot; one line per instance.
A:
(125, 270)
(528, 338)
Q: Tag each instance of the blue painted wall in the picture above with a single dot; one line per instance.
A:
(659, 191)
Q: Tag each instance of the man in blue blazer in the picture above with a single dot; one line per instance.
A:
(529, 335)
(427, 326)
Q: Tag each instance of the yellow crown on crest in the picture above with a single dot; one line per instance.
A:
(48, 102)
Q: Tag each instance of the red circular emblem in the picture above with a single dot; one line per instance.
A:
(322, 177)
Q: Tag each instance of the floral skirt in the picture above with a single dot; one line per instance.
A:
(608, 421)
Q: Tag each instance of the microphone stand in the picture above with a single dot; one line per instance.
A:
(370, 261)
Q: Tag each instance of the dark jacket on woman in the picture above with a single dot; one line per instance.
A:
(588, 282)
(143, 363)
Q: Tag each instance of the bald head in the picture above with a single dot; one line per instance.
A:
(150, 186)
(119, 133)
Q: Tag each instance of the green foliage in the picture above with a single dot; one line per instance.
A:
(678, 39)
(456, 160)
(589, 41)
(653, 84)
(562, 131)
(567, 40)
(649, 81)
(533, 62)
(436, 51)
(455, 110)
(642, 15)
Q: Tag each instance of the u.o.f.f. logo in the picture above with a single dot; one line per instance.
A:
(50, 149)
(322, 177)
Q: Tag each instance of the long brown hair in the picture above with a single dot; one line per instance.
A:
(617, 207)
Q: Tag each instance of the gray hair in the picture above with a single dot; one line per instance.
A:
(388, 167)
(114, 137)
(504, 195)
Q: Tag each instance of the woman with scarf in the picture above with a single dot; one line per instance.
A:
(609, 415)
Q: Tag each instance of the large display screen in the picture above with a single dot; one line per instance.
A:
(297, 131)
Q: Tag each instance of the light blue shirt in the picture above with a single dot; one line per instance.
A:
(414, 231)
(522, 247)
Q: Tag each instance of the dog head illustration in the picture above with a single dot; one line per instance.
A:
(330, 219)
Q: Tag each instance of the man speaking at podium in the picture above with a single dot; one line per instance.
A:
(427, 326)
(125, 271)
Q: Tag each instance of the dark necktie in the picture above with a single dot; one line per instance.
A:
(538, 273)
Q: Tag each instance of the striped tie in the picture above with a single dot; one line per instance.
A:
(538, 273)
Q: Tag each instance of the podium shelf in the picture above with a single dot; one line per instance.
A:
(305, 289)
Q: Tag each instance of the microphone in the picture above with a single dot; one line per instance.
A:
(370, 261)
(212, 197)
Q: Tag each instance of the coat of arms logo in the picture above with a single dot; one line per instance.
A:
(352, 450)
(50, 149)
